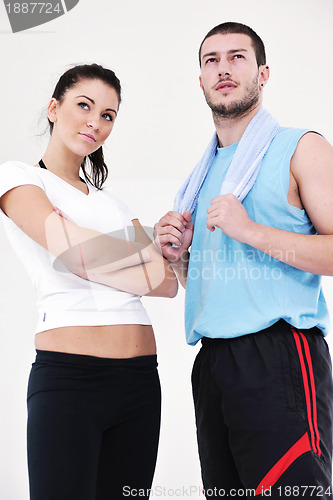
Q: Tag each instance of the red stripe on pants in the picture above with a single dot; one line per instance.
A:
(313, 389)
(303, 444)
(300, 447)
(306, 389)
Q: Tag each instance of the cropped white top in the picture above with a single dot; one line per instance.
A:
(64, 299)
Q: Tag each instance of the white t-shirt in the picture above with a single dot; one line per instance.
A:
(64, 299)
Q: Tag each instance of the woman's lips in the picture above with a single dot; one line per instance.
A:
(88, 137)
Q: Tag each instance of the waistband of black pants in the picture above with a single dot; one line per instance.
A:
(280, 325)
(61, 358)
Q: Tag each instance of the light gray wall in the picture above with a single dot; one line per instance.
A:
(162, 129)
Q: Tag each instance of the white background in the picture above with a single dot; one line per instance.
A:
(162, 129)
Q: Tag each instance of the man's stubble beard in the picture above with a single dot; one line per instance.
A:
(236, 109)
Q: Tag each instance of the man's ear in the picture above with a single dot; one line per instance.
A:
(264, 73)
(200, 80)
(52, 110)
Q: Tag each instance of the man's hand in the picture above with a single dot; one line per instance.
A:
(174, 229)
(228, 214)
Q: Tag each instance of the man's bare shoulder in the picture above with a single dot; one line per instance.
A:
(313, 154)
(312, 168)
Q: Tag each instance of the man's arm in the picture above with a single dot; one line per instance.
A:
(176, 229)
(312, 168)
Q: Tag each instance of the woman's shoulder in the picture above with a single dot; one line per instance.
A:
(18, 166)
(15, 173)
(17, 163)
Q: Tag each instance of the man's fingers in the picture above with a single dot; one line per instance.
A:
(171, 219)
(169, 239)
(212, 221)
(187, 238)
(188, 218)
(231, 197)
(170, 230)
(177, 215)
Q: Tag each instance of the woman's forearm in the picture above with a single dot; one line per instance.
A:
(131, 266)
(82, 249)
(155, 278)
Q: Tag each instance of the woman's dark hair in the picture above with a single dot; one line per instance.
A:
(98, 169)
(230, 27)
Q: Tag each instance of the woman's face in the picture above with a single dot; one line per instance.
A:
(83, 120)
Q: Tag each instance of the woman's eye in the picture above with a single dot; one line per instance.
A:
(108, 117)
(83, 105)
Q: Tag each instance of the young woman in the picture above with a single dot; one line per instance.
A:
(93, 393)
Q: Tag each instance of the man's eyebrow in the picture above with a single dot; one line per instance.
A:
(93, 102)
(209, 54)
(232, 51)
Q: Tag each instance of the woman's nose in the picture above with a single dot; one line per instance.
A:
(93, 122)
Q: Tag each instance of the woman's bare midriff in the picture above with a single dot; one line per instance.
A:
(110, 341)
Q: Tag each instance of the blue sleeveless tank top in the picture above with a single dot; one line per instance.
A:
(234, 289)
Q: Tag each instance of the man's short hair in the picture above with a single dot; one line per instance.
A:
(230, 27)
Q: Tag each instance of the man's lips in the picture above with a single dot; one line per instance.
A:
(225, 86)
(88, 137)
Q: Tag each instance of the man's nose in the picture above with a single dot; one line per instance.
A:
(224, 68)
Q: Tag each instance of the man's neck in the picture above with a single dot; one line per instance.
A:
(230, 130)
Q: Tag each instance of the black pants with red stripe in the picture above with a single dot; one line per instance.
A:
(264, 413)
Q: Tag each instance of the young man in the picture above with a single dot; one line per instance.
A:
(262, 380)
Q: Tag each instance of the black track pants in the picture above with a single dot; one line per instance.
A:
(264, 414)
(93, 426)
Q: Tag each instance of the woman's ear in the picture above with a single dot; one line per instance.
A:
(52, 110)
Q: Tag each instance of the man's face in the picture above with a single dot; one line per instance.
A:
(230, 78)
